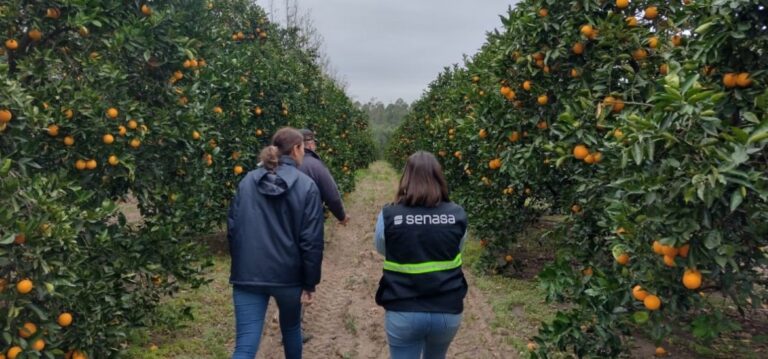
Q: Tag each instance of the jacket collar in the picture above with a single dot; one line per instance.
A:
(307, 151)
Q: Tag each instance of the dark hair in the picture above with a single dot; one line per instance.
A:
(283, 142)
(422, 183)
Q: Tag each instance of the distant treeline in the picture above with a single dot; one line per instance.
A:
(384, 120)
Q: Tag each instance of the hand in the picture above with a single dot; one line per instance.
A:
(344, 221)
(307, 297)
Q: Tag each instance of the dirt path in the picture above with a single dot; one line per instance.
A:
(345, 321)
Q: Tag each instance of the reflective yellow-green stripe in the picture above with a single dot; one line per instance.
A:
(424, 267)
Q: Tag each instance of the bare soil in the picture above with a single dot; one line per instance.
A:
(344, 321)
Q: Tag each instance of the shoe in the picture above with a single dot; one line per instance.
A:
(305, 337)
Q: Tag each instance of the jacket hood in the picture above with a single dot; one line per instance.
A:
(279, 182)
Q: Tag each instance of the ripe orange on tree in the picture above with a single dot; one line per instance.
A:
(483, 133)
(692, 279)
(238, 169)
(639, 54)
(622, 4)
(35, 35)
(730, 80)
(576, 208)
(14, 352)
(514, 136)
(542, 100)
(52, 13)
(652, 302)
(653, 42)
(622, 259)
(80, 165)
(651, 12)
(5, 116)
(660, 352)
(91, 164)
(27, 330)
(24, 286)
(494, 164)
(578, 48)
(527, 85)
(743, 80)
(669, 261)
(135, 143)
(580, 152)
(543, 12)
(53, 130)
(113, 160)
(38, 345)
(146, 10)
(677, 40)
(112, 113)
(64, 319)
(69, 140)
(639, 293)
(11, 44)
(108, 139)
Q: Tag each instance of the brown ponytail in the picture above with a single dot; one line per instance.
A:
(283, 143)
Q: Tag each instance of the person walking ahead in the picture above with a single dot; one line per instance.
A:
(421, 236)
(275, 234)
(314, 167)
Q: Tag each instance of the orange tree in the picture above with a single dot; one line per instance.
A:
(165, 101)
(644, 124)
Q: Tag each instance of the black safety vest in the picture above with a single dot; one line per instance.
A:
(422, 268)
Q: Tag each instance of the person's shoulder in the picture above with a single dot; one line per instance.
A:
(311, 162)
(453, 206)
(305, 180)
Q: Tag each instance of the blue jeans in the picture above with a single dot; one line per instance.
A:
(413, 334)
(251, 307)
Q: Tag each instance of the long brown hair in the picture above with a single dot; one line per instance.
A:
(283, 143)
(422, 183)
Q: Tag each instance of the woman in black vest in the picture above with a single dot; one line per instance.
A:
(421, 236)
(275, 233)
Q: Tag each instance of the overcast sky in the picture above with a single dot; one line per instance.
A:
(389, 49)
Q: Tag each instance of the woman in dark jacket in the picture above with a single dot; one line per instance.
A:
(421, 236)
(275, 234)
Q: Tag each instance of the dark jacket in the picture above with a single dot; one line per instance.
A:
(275, 229)
(422, 268)
(314, 167)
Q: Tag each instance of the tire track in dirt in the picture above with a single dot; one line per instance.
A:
(344, 321)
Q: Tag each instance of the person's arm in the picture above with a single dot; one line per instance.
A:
(311, 240)
(329, 191)
(232, 217)
(378, 236)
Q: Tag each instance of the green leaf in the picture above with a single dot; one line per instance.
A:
(713, 240)
(40, 313)
(637, 153)
(760, 133)
(703, 27)
(736, 200)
